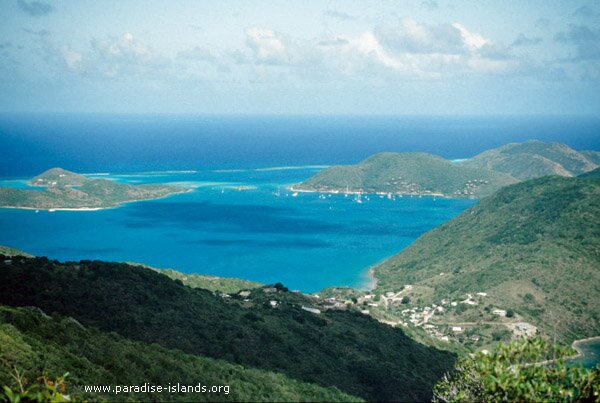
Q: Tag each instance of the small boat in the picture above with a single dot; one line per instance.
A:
(294, 194)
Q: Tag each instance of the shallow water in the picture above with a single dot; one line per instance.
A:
(264, 234)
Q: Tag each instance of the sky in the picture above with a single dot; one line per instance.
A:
(417, 57)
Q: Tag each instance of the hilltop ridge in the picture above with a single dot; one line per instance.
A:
(533, 159)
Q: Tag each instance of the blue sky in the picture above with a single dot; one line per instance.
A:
(293, 57)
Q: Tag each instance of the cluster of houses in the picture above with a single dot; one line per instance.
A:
(410, 316)
(470, 187)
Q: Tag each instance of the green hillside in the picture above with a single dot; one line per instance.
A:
(591, 174)
(345, 349)
(68, 190)
(533, 159)
(36, 343)
(213, 283)
(8, 251)
(533, 247)
(229, 285)
(407, 173)
(58, 177)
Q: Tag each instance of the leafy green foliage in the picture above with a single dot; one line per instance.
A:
(414, 173)
(32, 342)
(43, 390)
(538, 237)
(350, 351)
(523, 371)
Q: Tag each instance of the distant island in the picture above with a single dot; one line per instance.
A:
(65, 190)
(426, 174)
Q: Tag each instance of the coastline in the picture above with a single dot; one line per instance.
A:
(53, 209)
(357, 192)
(577, 348)
(372, 278)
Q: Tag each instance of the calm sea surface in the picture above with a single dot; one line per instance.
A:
(264, 233)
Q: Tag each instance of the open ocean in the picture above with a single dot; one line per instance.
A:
(265, 233)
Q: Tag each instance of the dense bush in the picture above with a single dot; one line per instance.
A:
(523, 371)
(33, 343)
(350, 351)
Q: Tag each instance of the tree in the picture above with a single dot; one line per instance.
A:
(510, 313)
(520, 371)
(44, 390)
(405, 300)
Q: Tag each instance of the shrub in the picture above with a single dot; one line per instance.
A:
(518, 372)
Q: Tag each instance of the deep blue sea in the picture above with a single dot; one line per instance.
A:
(264, 233)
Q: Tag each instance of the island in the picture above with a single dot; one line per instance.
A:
(411, 173)
(66, 190)
(417, 173)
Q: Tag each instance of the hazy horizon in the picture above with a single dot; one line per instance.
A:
(412, 57)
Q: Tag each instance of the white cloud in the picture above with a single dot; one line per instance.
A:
(267, 46)
(71, 58)
(410, 36)
(406, 50)
(411, 49)
(472, 40)
(126, 50)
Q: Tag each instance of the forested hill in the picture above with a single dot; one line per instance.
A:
(407, 173)
(533, 159)
(350, 351)
(591, 174)
(37, 344)
(425, 174)
(533, 247)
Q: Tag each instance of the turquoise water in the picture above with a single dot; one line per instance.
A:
(305, 242)
(264, 234)
(590, 354)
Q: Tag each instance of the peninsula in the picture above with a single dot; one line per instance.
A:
(414, 173)
(410, 173)
(65, 190)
